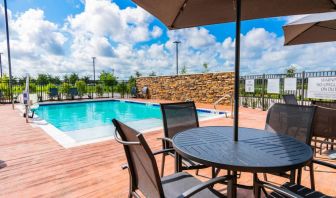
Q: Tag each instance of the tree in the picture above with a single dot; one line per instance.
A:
(66, 78)
(290, 71)
(42, 79)
(152, 73)
(108, 78)
(131, 82)
(65, 87)
(138, 74)
(86, 79)
(205, 67)
(54, 79)
(184, 70)
(73, 78)
(81, 88)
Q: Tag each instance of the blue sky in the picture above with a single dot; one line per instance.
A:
(57, 11)
(69, 33)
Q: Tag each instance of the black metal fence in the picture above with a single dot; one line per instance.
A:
(85, 90)
(261, 99)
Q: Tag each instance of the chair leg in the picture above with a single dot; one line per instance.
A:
(312, 178)
(292, 176)
(315, 146)
(299, 176)
(213, 172)
(178, 163)
(197, 170)
(256, 187)
(332, 146)
(163, 164)
(265, 176)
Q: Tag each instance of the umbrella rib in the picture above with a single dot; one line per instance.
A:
(325, 27)
(179, 12)
(333, 2)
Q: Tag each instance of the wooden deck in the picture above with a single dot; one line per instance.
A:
(37, 166)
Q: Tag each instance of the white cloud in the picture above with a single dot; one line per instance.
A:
(156, 32)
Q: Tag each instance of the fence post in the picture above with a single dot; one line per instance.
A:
(263, 93)
(302, 88)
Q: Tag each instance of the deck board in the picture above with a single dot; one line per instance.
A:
(37, 166)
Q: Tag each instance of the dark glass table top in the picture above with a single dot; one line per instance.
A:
(256, 151)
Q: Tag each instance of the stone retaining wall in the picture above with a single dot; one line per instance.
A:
(204, 88)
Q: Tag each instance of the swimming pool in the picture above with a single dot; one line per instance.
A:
(91, 120)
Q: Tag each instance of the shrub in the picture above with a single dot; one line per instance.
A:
(81, 88)
(100, 90)
(65, 89)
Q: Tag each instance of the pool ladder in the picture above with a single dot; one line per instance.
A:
(222, 98)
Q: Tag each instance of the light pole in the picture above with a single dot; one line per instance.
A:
(1, 64)
(9, 55)
(177, 43)
(94, 69)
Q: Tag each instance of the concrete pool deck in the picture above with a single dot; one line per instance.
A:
(37, 166)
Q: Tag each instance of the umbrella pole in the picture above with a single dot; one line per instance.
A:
(9, 56)
(237, 66)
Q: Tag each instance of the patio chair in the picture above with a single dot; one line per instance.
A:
(144, 174)
(178, 117)
(53, 92)
(134, 92)
(295, 121)
(324, 126)
(145, 92)
(73, 92)
(287, 190)
(290, 99)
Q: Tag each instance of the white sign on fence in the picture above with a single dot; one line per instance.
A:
(249, 85)
(290, 84)
(322, 88)
(273, 85)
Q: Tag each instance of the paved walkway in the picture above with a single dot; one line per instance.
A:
(38, 167)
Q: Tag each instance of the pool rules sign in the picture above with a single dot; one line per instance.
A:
(249, 85)
(322, 88)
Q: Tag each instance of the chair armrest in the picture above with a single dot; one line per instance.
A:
(163, 151)
(124, 166)
(204, 185)
(282, 191)
(164, 139)
(327, 164)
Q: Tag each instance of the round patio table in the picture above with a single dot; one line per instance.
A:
(257, 151)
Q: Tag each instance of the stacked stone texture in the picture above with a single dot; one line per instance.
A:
(203, 88)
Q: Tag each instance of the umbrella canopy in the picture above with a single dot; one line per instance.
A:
(177, 14)
(190, 13)
(311, 29)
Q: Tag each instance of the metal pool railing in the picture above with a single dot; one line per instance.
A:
(261, 99)
(87, 90)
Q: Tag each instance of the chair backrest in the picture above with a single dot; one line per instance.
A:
(53, 91)
(178, 117)
(134, 91)
(325, 104)
(293, 120)
(290, 99)
(141, 162)
(73, 91)
(324, 124)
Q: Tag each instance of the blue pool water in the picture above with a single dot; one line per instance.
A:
(83, 115)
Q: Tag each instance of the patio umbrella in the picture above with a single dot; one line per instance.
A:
(177, 14)
(313, 28)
